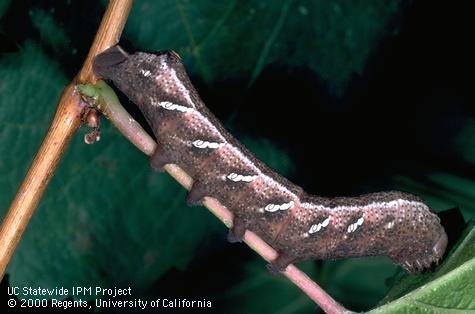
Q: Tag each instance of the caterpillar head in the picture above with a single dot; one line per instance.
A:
(147, 78)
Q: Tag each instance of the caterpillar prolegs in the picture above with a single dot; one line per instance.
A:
(298, 225)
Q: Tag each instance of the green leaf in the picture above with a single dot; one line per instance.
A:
(260, 293)
(25, 111)
(3, 6)
(465, 141)
(46, 24)
(341, 35)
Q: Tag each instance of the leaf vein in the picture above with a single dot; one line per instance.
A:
(195, 49)
(268, 43)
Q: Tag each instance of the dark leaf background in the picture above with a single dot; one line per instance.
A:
(342, 97)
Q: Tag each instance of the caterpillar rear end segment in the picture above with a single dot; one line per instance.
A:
(299, 226)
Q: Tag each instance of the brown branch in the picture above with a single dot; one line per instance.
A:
(110, 106)
(107, 35)
(64, 125)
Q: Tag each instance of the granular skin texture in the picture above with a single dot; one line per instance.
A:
(298, 225)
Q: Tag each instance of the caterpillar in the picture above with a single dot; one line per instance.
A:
(298, 225)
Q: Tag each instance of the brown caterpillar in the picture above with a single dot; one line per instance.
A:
(298, 225)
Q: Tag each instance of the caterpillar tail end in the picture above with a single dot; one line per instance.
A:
(419, 262)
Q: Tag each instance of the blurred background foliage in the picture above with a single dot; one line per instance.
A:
(343, 97)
